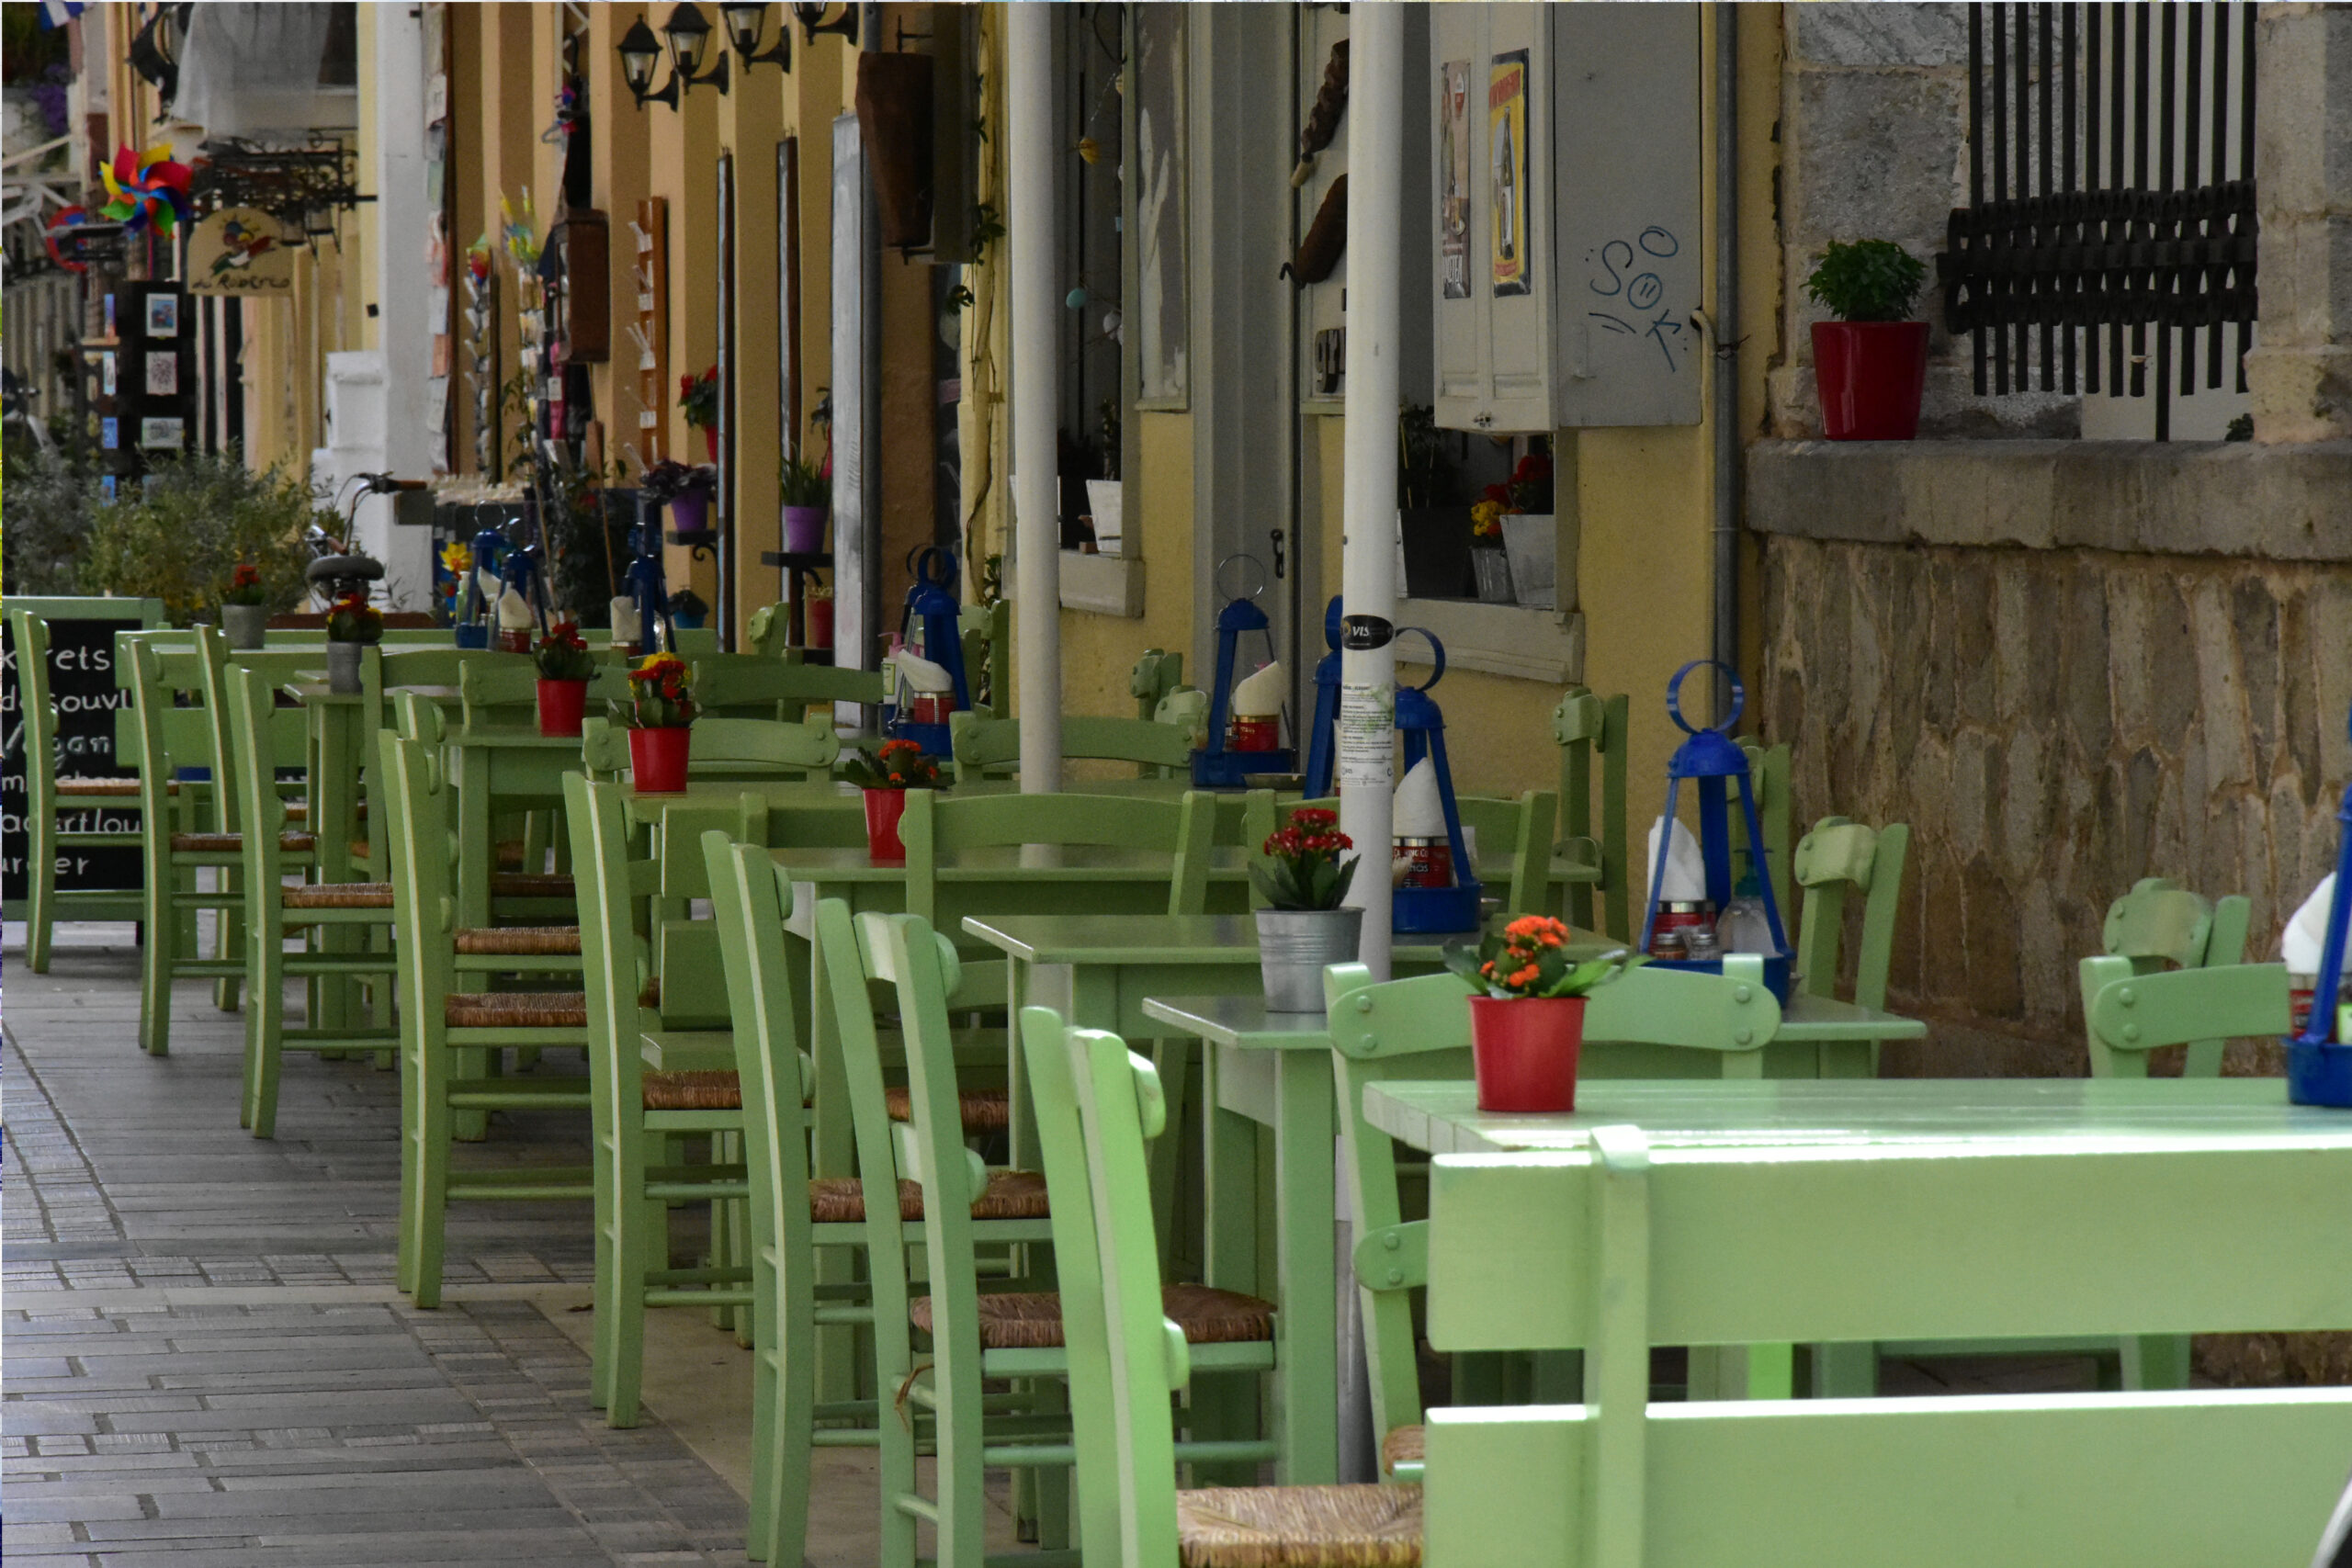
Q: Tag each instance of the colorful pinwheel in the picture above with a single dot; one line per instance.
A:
(147, 188)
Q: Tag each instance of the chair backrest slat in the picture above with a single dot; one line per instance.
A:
(1182, 829)
(419, 849)
(981, 744)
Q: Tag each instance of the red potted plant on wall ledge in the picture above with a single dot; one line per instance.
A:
(1871, 364)
(659, 716)
(1527, 1022)
(886, 776)
(698, 399)
(565, 665)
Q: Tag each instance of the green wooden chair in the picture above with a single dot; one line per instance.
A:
(986, 635)
(506, 690)
(724, 748)
(1592, 856)
(978, 1337)
(1647, 1023)
(446, 1034)
(746, 685)
(81, 801)
(173, 853)
(274, 911)
(791, 1215)
(2156, 925)
(1156, 674)
(1769, 768)
(636, 1112)
(1131, 1346)
(1835, 862)
(990, 747)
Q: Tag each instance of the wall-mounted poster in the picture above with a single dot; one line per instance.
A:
(163, 315)
(1454, 177)
(1512, 243)
(107, 374)
(109, 433)
(162, 375)
(163, 435)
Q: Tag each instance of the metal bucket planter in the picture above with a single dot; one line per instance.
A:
(342, 665)
(1294, 945)
(246, 626)
(1531, 541)
(1493, 570)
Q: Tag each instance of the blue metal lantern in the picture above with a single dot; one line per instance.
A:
(1434, 911)
(1322, 738)
(1216, 765)
(931, 626)
(2319, 1065)
(511, 566)
(1713, 759)
(648, 581)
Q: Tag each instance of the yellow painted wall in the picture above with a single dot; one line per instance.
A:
(1099, 652)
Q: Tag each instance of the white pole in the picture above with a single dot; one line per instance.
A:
(1366, 751)
(1038, 595)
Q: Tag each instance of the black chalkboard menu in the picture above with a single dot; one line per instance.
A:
(82, 686)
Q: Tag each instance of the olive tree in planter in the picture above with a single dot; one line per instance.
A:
(1871, 364)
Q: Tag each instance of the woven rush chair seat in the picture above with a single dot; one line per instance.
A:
(1404, 1445)
(1299, 1526)
(1018, 1320)
(983, 1110)
(339, 895)
(532, 885)
(1010, 1195)
(358, 848)
(519, 940)
(510, 854)
(126, 788)
(516, 1009)
(696, 1088)
(232, 844)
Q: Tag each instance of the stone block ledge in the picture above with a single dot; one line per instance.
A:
(2236, 499)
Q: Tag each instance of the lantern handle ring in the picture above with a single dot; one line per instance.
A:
(1674, 695)
(923, 560)
(1238, 590)
(1437, 652)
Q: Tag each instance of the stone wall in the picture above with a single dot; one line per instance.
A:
(2029, 660)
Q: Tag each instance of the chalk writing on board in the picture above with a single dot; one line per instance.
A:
(1628, 276)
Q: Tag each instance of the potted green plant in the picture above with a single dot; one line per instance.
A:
(1871, 364)
(353, 625)
(565, 665)
(1304, 880)
(658, 716)
(808, 495)
(885, 778)
(686, 492)
(698, 401)
(688, 608)
(1526, 1020)
(245, 607)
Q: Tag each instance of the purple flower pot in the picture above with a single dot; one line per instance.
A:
(804, 530)
(690, 512)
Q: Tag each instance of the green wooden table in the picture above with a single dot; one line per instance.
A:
(495, 767)
(1729, 1211)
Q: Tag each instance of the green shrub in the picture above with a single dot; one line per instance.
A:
(1869, 280)
(45, 520)
(179, 537)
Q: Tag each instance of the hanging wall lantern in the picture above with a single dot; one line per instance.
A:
(688, 34)
(745, 21)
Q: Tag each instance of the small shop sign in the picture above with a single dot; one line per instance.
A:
(239, 251)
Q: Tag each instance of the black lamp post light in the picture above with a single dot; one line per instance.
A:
(688, 33)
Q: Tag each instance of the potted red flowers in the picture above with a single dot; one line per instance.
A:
(244, 608)
(1303, 928)
(658, 716)
(886, 776)
(565, 665)
(1528, 1024)
(353, 625)
(1871, 364)
(698, 401)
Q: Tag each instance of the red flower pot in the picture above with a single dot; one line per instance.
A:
(561, 704)
(1524, 1050)
(1871, 375)
(710, 441)
(883, 810)
(656, 760)
(820, 630)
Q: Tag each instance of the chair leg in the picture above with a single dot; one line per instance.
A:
(633, 1259)
(265, 1030)
(2155, 1361)
(155, 959)
(430, 1216)
(784, 1413)
(1848, 1371)
(404, 1267)
(40, 864)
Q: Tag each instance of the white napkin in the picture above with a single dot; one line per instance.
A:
(922, 675)
(1686, 868)
(1260, 696)
(1419, 813)
(514, 613)
(2299, 944)
(626, 622)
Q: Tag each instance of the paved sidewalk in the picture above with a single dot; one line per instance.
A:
(206, 1360)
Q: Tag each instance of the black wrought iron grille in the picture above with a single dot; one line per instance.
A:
(2111, 214)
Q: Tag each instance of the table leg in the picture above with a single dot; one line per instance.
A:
(1305, 1171)
(1230, 1183)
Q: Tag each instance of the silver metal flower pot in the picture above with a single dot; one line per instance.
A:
(342, 665)
(1294, 946)
(244, 624)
